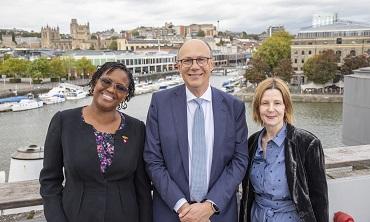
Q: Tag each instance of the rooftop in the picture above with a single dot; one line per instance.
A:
(338, 26)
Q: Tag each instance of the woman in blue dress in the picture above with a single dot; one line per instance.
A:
(285, 180)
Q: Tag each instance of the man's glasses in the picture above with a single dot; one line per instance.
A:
(201, 61)
(107, 82)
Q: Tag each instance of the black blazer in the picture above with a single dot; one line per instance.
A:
(121, 194)
(305, 170)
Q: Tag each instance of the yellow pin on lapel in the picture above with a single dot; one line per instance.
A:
(125, 139)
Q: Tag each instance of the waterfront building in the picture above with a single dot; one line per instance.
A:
(146, 44)
(148, 62)
(343, 37)
(137, 63)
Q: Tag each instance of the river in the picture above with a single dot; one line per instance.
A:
(19, 129)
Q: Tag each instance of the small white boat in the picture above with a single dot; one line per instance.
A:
(53, 99)
(26, 104)
(63, 91)
(76, 94)
(6, 106)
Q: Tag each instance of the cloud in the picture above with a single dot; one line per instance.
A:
(234, 15)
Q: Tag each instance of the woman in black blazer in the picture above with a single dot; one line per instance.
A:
(100, 151)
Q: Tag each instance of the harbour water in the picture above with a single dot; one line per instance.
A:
(19, 129)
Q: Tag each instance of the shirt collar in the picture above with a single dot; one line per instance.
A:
(207, 95)
(278, 140)
(280, 137)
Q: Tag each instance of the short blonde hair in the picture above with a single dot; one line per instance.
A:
(272, 83)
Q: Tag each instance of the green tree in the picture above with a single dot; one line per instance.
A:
(353, 62)
(244, 35)
(69, 65)
(284, 70)
(40, 68)
(257, 70)
(321, 68)
(201, 33)
(135, 33)
(113, 45)
(84, 66)
(36, 75)
(31, 34)
(14, 67)
(7, 56)
(274, 49)
(57, 67)
(221, 43)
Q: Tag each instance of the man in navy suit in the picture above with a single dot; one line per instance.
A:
(196, 144)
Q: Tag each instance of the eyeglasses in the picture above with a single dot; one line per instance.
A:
(201, 61)
(107, 82)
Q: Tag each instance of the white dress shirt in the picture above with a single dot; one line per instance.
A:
(209, 131)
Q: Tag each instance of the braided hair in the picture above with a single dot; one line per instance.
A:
(107, 68)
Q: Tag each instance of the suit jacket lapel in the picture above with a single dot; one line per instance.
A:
(179, 112)
(219, 119)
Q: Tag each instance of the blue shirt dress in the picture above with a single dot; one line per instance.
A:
(272, 202)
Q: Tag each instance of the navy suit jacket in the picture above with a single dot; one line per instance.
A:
(167, 158)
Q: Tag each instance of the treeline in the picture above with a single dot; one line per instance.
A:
(46, 68)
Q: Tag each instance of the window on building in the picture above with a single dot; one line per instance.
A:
(339, 40)
(309, 52)
(302, 60)
(295, 60)
(302, 52)
(353, 53)
(296, 52)
(309, 43)
(295, 69)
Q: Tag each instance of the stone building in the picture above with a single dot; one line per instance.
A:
(208, 29)
(28, 42)
(7, 41)
(50, 39)
(343, 37)
(80, 38)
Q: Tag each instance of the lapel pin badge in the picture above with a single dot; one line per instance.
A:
(125, 139)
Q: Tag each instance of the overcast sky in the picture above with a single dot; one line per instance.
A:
(252, 16)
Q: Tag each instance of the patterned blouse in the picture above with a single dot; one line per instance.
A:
(105, 145)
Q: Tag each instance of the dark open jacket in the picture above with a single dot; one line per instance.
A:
(305, 171)
(121, 194)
